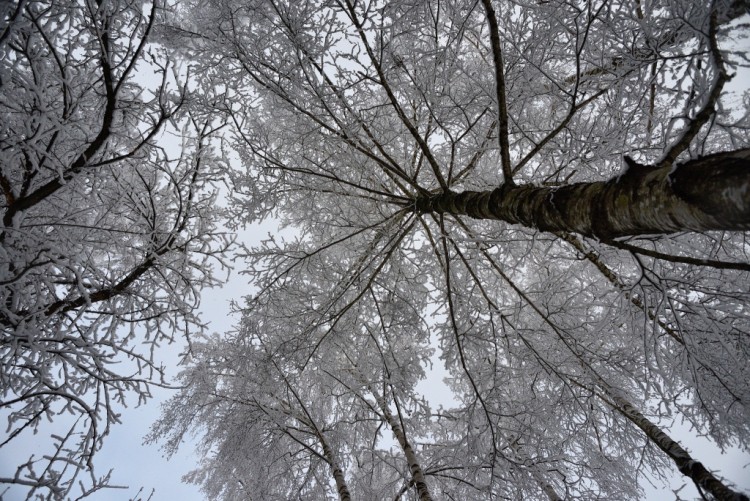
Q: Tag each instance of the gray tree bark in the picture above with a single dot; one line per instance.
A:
(411, 457)
(338, 475)
(682, 459)
(704, 194)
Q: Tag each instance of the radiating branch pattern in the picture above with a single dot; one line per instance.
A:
(549, 199)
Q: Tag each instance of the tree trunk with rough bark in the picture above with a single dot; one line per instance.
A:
(704, 194)
(688, 466)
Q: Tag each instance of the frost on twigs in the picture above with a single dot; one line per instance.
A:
(576, 312)
(107, 233)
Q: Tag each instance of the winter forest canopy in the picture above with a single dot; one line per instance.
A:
(549, 198)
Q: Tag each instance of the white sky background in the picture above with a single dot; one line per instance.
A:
(144, 466)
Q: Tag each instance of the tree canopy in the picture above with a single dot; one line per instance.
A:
(106, 238)
(550, 198)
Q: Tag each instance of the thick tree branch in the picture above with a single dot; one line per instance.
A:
(709, 107)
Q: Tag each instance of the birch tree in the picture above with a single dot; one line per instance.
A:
(556, 193)
(106, 236)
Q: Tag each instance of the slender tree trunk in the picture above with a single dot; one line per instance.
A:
(411, 457)
(307, 421)
(547, 488)
(708, 193)
(685, 463)
(338, 475)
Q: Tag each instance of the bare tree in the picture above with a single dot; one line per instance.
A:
(552, 194)
(106, 239)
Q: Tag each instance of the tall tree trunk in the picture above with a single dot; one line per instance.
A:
(308, 421)
(547, 488)
(708, 193)
(338, 475)
(411, 457)
(682, 459)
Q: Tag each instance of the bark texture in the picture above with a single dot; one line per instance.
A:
(708, 193)
(341, 487)
(415, 468)
(685, 463)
